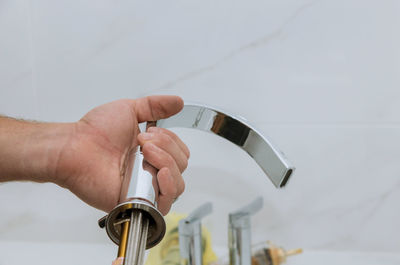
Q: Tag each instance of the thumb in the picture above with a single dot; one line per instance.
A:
(153, 108)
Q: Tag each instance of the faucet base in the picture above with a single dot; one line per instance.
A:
(122, 212)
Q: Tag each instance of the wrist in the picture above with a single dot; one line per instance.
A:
(30, 150)
(55, 139)
(43, 151)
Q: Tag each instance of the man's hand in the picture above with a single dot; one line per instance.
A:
(99, 153)
(92, 156)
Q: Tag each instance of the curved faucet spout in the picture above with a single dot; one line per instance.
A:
(238, 131)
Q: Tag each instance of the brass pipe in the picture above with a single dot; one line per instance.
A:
(123, 240)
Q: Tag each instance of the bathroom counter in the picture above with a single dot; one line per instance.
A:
(32, 253)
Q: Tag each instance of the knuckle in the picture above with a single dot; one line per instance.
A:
(167, 139)
(164, 139)
(166, 131)
(185, 164)
(169, 160)
(181, 188)
(187, 153)
(162, 130)
(171, 135)
(174, 192)
(146, 147)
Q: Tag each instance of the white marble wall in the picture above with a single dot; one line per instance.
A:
(321, 78)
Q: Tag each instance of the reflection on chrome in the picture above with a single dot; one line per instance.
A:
(237, 131)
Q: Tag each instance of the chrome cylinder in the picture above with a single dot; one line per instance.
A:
(240, 241)
(138, 193)
(196, 249)
(190, 236)
(239, 233)
(142, 184)
(137, 238)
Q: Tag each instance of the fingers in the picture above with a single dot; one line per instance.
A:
(169, 177)
(169, 142)
(153, 108)
(162, 148)
(174, 137)
(118, 261)
(168, 192)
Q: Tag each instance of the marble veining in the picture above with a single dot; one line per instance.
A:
(265, 40)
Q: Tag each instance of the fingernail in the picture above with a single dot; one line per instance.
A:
(146, 136)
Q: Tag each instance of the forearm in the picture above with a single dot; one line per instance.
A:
(30, 150)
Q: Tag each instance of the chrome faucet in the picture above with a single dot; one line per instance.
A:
(135, 224)
(239, 233)
(239, 132)
(190, 236)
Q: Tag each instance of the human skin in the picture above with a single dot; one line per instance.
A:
(90, 157)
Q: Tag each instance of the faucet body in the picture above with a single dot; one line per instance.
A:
(239, 233)
(135, 224)
(190, 236)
